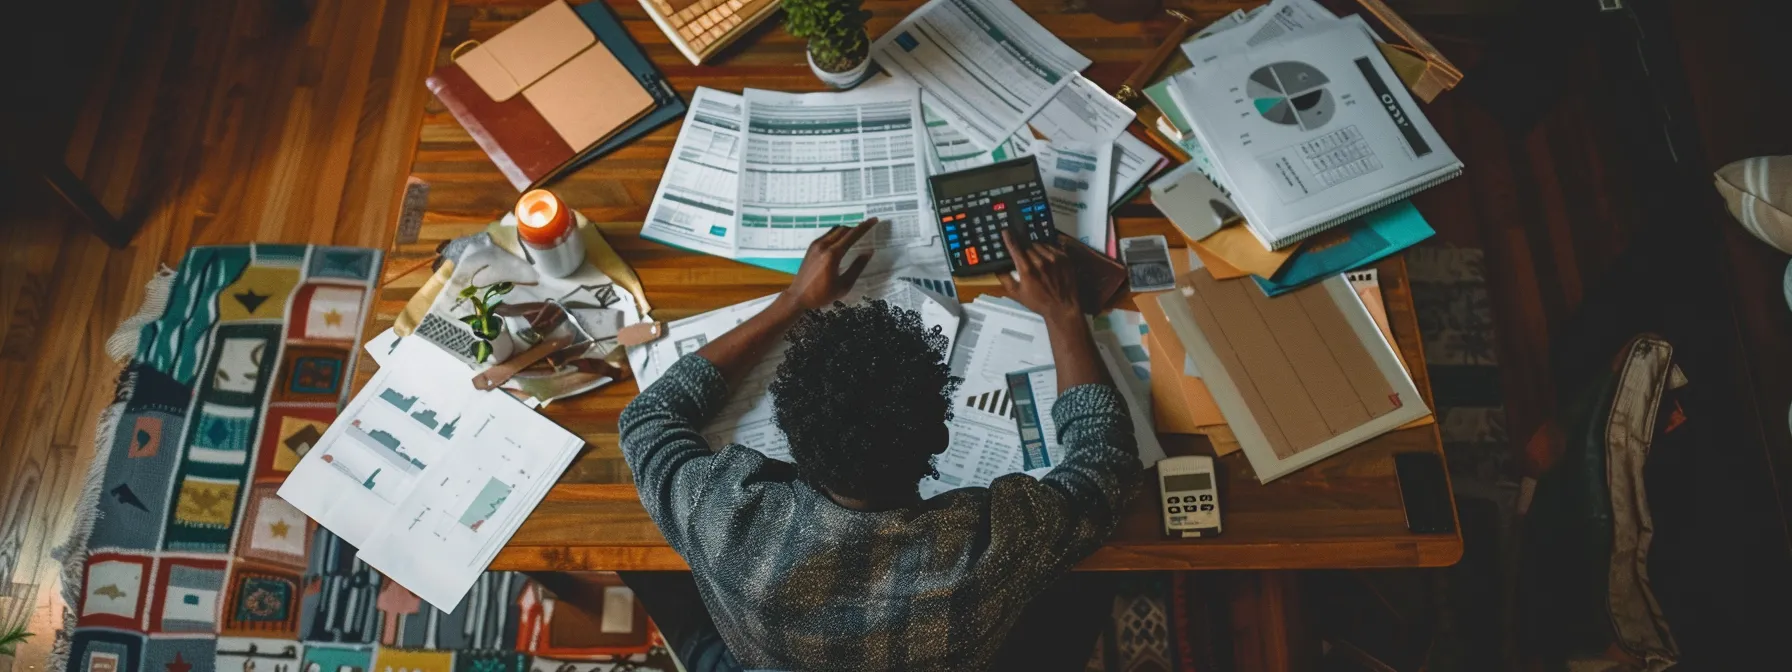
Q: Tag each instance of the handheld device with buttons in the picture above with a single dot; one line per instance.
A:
(977, 204)
(1191, 496)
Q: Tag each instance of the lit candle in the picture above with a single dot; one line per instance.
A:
(550, 238)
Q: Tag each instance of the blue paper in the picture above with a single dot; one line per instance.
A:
(1372, 237)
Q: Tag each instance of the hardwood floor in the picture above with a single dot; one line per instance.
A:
(214, 122)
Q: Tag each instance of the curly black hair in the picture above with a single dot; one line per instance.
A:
(863, 395)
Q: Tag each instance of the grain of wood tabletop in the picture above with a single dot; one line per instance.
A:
(1342, 512)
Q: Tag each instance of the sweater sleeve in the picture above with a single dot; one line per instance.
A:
(662, 444)
(1064, 517)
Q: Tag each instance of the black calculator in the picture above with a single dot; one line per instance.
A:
(975, 205)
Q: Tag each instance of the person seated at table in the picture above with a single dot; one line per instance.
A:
(835, 562)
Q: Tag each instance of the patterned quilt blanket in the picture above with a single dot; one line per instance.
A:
(185, 560)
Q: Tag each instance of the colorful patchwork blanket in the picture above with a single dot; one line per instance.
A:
(185, 560)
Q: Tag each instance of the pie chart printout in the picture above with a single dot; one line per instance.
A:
(1292, 94)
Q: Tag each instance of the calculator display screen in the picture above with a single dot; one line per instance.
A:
(953, 186)
(1181, 482)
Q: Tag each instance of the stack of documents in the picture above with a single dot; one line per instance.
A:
(998, 339)
(746, 418)
(1291, 235)
(428, 476)
(989, 340)
(1306, 124)
(757, 177)
(1298, 378)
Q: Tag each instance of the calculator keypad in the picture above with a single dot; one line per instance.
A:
(972, 224)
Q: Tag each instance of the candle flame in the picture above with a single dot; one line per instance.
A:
(537, 208)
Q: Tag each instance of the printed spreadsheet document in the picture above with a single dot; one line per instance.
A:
(988, 65)
(818, 160)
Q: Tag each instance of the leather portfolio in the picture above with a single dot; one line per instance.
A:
(538, 95)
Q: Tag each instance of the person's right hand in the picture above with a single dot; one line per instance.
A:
(819, 282)
(1047, 283)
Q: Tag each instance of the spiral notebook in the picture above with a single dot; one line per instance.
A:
(1312, 130)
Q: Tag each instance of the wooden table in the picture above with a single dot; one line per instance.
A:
(1342, 512)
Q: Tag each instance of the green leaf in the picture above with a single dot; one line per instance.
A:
(12, 638)
(488, 327)
(482, 351)
(469, 291)
(502, 288)
(469, 320)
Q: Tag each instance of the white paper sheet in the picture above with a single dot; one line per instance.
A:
(1266, 24)
(1137, 395)
(1129, 329)
(952, 149)
(428, 476)
(990, 66)
(995, 339)
(999, 337)
(747, 416)
(1134, 160)
(1076, 184)
(1082, 113)
(695, 206)
(818, 160)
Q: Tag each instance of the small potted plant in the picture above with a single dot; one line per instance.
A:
(839, 50)
(485, 322)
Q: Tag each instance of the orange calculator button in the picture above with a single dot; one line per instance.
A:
(970, 255)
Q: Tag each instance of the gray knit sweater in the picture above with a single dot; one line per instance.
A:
(795, 581)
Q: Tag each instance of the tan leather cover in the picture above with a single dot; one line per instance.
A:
(589, 98)
(524, 53)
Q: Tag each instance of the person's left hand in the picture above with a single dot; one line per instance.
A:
(819, 281)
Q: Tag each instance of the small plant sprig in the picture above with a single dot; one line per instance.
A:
(11, 637)
(484, 321)
(835, 30)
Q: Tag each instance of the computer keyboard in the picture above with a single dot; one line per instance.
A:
(702, 26)
(454, 337)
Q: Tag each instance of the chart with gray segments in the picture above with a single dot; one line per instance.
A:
(1292, 94)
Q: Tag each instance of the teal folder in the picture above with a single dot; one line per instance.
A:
(1373, 237)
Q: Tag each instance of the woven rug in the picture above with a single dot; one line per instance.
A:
(185, 560)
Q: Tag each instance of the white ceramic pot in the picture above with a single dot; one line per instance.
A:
(502, 347)
(840, 80)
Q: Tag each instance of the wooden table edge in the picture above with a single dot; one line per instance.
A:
(1431, 550)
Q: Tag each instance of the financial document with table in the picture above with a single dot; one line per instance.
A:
(988, 65)
(815, 161)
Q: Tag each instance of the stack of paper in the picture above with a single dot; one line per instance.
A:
(1353, 168)
(428, 476)
(747, 419)
(996, 83)
(1306, 123)
(1298, 378)
(755, 177)
(1000, 338)
(990, 338)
